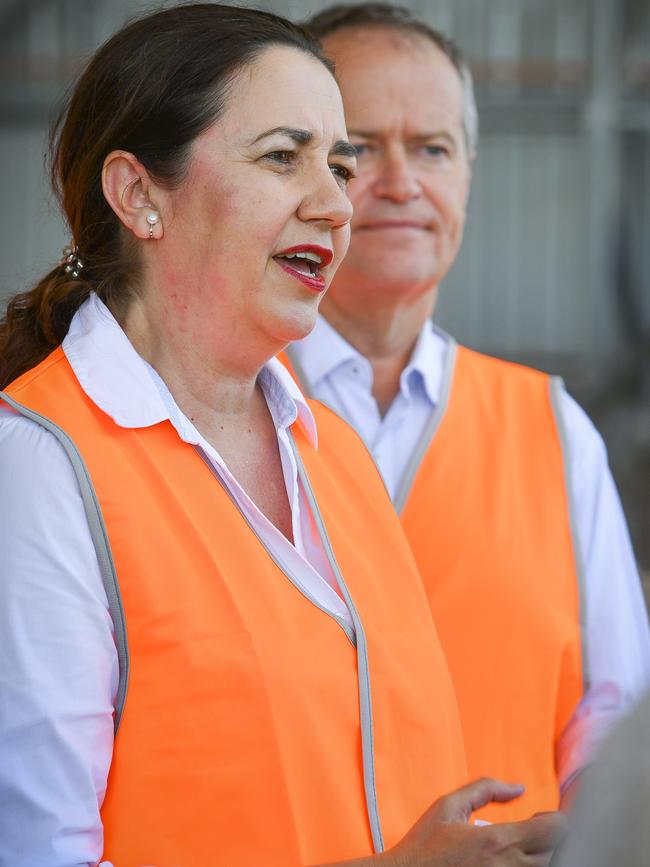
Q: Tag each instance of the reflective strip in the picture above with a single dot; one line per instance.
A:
(281, 566)
(100, 541)
(431, 427)
(363, 672)
(556, 387)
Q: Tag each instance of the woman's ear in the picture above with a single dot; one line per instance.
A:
(130, 192)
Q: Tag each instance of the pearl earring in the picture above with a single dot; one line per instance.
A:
(152, 219)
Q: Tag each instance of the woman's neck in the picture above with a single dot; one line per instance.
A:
(205, 380)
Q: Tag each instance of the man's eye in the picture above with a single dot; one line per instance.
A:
(436, 150)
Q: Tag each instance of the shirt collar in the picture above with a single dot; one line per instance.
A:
(275, 378)
(323, 351)
(121, 384)
(428, 360)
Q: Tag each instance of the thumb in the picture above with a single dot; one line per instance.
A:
(459, 805)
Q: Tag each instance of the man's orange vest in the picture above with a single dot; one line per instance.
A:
(255, 731)
(485, 508)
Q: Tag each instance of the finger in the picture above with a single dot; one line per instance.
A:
(542, 833)
(458, 805)
(537, 860)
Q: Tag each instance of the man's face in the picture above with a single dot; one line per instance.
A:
(403, 106)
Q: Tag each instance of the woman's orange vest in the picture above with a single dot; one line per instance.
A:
(486, 513)
(241, 736)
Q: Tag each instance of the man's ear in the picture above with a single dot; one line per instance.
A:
(131, 194)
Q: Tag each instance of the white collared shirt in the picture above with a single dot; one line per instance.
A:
(342, 378)
(618, 638)
(58, 665)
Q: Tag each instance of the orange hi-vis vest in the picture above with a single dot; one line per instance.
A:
(256, 728)
(485, 507)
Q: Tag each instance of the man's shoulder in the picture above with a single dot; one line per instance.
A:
(501, 370)
(499, 365)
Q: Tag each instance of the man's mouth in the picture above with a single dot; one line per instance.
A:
(305, 262)
(379, 225)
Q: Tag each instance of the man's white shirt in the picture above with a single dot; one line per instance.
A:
(618, 638)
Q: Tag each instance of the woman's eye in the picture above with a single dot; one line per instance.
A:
(342, 173)
(283, 157)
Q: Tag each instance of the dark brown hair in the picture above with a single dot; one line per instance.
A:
(151, 89)
(348, 16)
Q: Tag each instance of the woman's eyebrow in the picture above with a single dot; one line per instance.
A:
(300, 136)
(303, 136)
(344, 149)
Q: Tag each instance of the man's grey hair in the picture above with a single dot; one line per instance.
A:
(346, 16)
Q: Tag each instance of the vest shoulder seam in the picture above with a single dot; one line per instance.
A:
(29, 376)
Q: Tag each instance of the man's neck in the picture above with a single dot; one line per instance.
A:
(385, 336)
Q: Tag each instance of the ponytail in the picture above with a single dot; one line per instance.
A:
(36, 322)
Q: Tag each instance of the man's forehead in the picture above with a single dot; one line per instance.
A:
(391, 79)
(356, 47)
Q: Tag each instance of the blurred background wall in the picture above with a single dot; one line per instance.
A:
(555, 266)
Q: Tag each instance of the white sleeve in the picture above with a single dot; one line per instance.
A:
(58, 665)
(617, 634)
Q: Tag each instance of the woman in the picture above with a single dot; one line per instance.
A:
(215, 646)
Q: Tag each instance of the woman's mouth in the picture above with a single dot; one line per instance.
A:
(305, 263)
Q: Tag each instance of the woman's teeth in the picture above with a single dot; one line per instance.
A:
(313, 257)
(305, 261)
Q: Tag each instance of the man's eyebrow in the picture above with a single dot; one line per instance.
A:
(420, 137)
(300, 136)
(344, 149)
(363, 134)
(441, 133)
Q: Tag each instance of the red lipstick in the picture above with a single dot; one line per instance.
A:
(304, 262)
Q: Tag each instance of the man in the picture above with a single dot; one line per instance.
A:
(500, 479)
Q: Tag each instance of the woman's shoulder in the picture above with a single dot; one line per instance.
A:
(33, 464)
(21, 436)
(44, 529)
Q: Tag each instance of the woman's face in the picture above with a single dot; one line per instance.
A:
(258, 226)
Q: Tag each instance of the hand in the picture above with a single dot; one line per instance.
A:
(442, 837)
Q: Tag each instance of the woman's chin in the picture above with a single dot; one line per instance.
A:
(296, 326)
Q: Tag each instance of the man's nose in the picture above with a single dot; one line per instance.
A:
(397, 178)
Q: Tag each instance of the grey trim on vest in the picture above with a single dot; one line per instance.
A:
(432, 425)
(101, 543)
(363, 670)
(556, 386)
(281, 566)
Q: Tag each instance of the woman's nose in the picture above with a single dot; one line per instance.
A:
(327, 200)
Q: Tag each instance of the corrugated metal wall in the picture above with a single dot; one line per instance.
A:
(560, 131)
(555, 267)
